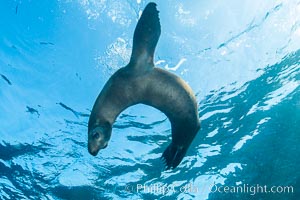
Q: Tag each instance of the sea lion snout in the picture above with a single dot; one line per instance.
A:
(93, 152)
(94, 149)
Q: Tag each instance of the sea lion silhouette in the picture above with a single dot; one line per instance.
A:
(141, 82)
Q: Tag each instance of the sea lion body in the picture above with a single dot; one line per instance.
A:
(141, 82)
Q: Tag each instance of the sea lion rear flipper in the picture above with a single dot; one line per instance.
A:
(146, 35)
(173, 156)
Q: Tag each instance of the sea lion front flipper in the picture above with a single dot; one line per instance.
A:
(146, 36)
(173, 156)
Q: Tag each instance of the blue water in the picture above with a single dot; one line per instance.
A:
(241, 58)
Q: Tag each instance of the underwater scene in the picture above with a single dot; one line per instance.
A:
(240, 58)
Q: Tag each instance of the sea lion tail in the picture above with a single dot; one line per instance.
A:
(173, 155)
(146, 35)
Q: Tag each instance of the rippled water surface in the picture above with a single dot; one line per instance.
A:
(241, 58)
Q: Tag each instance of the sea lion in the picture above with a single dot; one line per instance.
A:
(141, 82)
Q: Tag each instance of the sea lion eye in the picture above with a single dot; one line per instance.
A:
(96, 135)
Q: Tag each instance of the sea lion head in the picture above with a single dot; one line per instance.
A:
(98, 138)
